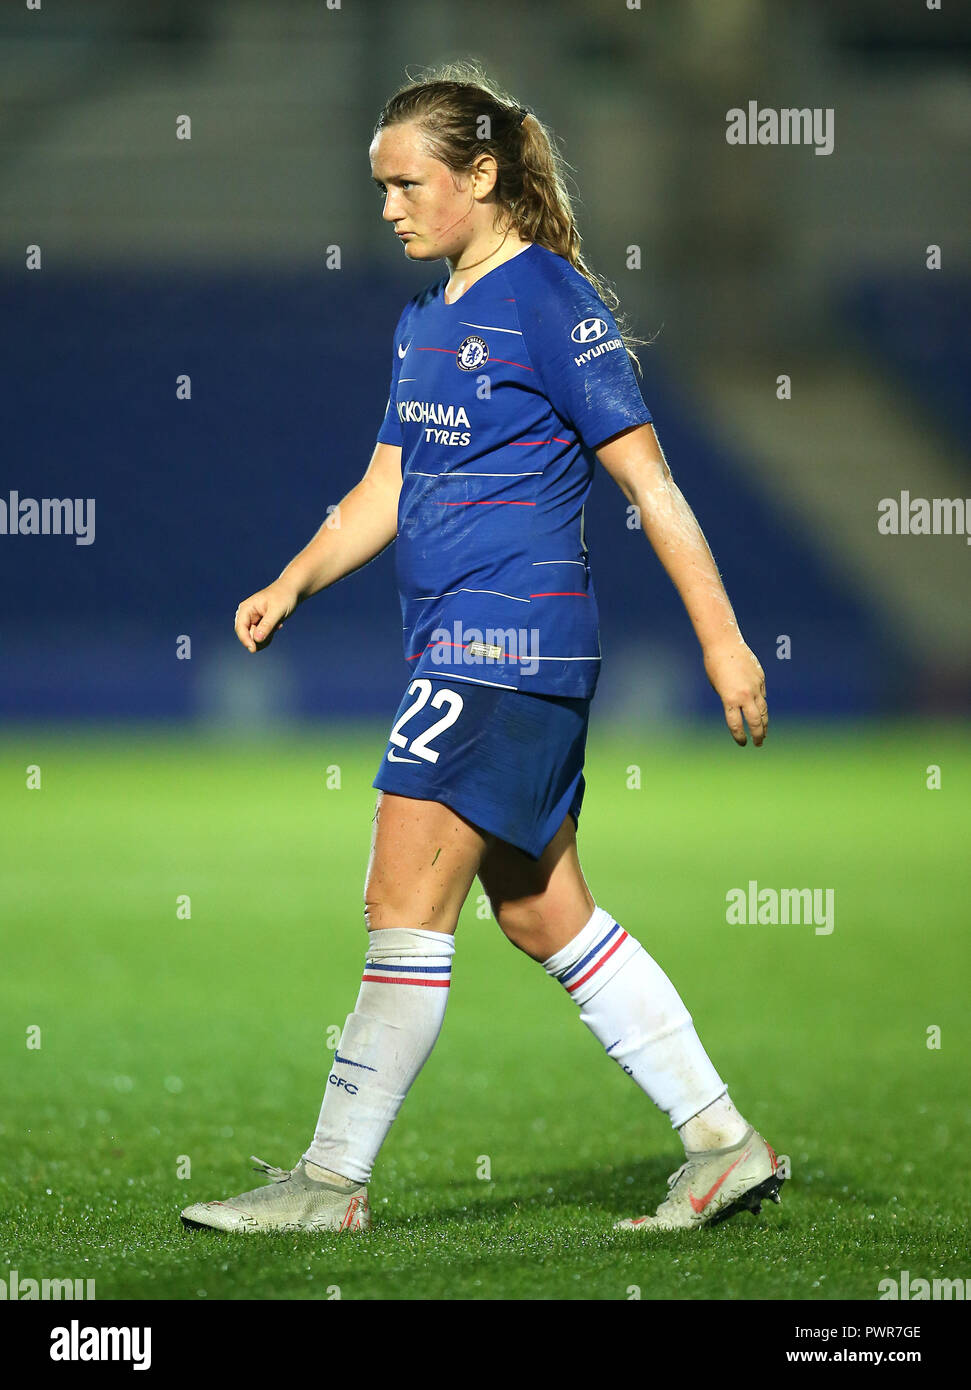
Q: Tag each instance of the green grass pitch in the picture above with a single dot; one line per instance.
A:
(165, 1038)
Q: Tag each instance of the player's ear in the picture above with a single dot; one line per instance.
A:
(485, 171)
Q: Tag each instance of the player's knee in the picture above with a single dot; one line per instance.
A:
(526, 928)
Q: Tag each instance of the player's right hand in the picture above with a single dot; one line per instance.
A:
(260, 617)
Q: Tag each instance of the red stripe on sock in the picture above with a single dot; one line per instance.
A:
(394, 980)
(594, 968)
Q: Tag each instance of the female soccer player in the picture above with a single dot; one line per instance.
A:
(508, 375)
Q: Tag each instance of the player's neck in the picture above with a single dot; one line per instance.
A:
(476, 261)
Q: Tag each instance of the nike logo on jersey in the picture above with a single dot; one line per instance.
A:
(402, 351)
(699, 1204)
(394, 758)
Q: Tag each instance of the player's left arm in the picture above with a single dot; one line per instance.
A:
(635, 461)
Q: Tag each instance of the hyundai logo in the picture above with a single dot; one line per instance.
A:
(588, 331)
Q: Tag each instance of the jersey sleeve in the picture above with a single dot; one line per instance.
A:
(390, 431)
(575, 345)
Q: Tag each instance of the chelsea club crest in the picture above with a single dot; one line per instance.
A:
(472, 354)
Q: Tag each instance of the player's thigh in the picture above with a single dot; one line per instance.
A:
(423, 859)
(542, 903)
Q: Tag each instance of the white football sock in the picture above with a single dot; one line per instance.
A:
(718, 1126)
(385, 1043)
(631, 1006)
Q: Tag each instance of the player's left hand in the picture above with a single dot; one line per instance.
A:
(739, 681)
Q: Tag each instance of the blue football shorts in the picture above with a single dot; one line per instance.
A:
(509, 762)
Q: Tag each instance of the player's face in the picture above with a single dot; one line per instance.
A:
(435, 212)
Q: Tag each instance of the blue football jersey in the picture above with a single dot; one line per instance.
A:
(497, 402)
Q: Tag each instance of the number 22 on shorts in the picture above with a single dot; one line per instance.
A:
(421, 745)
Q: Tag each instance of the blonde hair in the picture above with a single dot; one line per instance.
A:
(447, 105)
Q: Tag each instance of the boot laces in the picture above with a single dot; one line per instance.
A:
(277, 1174)
(674, 1176)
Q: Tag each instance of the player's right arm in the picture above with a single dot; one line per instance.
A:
(366, 523)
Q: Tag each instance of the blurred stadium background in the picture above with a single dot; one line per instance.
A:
(209, 257)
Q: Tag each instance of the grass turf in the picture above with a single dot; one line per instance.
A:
(164, 1038)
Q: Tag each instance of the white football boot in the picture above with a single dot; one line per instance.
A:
(294, 1201)
(713, 1184)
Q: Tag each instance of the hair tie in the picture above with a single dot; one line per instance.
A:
(524, 111)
